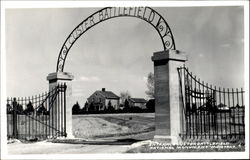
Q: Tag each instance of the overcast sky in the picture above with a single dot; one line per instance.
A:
(116, 54)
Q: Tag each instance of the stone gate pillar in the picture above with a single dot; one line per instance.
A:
(167, 95)
(59, 78)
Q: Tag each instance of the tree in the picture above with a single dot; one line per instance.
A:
(41, 110)
(19, 109)
(76, 108)
(9, 109)
(85, 108)
(151, 105)
(126, 106)
(110, 107)
(124, 95)
(29, 109)
(150, 85)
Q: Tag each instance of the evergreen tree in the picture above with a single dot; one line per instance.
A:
(76, 108)
(85, 108)
(41, 110)
(110, 107)
(19, 109)
(29, 109)
(126, 106)
(9, 109)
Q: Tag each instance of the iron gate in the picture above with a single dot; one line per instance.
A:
(38, 117)
(210, 112)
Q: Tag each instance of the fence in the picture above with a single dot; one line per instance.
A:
(211, 112)
(37, 117)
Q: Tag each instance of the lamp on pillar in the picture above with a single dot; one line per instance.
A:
(59, 78)
(167, 95)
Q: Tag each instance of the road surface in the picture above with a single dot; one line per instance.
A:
(64, 148)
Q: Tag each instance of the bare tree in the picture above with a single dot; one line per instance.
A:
(151, 85)
(124, 95)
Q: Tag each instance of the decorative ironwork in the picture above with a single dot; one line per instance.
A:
(210, 112)
(145, 13)
(38, 117)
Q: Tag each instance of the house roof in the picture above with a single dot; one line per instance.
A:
(138, 100)
(108, 94)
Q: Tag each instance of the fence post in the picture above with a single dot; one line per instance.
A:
(14, 105)
(167, 95)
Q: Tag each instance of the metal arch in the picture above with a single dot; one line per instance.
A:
(160, 25)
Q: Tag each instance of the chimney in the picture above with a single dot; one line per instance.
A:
(103, 89)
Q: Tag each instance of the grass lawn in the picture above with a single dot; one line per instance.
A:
(132, 125)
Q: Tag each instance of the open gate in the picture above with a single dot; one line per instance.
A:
(38, 117)
(210, 112)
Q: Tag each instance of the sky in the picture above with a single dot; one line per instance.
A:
(116, 54)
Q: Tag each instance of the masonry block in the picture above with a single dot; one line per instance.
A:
(60, 78)
(167, 95)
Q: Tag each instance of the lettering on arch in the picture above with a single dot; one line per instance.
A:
(145, 13)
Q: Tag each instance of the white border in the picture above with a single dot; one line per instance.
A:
(77, 4)
(3, 85)
(246, 72)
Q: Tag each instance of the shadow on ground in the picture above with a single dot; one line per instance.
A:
(127, 141)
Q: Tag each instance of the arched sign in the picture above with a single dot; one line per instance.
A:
(145, 13)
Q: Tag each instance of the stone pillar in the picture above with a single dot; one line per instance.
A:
(60, 78)
(168, 114)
